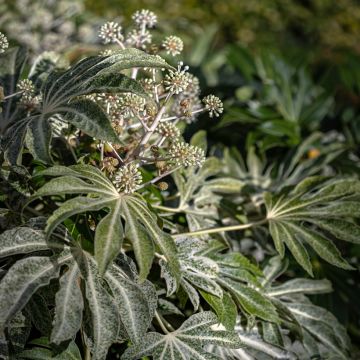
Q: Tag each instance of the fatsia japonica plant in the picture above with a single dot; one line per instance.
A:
(119, 237)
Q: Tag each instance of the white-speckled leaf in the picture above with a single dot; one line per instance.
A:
(69, 306)
(23, 279)
(105, 320)
(23, 240)
(186, 343)
(323, 204)
(134, 309)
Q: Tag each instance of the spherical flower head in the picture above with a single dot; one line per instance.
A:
(145, 18)
(110, 32)
(27, 87)
(131, 104)
(173, 45)
(177, 81)
(4, 44)
(168, 130)
(30, 102)
(138, 38)
(214, 105)
(127, 179)
(193, 89)
(186, 155)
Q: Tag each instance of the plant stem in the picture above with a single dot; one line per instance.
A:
(222, 229)
(14, 94)
(87, 354)
(161, 324)
(154, 180)
(168, 209)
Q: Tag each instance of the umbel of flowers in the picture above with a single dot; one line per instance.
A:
(149, 128)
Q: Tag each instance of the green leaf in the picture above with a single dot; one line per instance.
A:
(137, 210)
(225, 185)
(109, 237)
(69, 307)
(132, 302)
(323, 326)
(90, 118)
(61, 92)
(141, 226)
(113, 82)
(130, 58)
(254, 346)
(187, 342)
(301, 286)
(12, 62)
(18, 331)
(38, 139)
(23, 240)
(72, 352)
(105, 321)
(23, 279)
(140, 238)
(199, 140)
(224, 307)
(252, 301)
(282, 234)
(37, 310)
(74, 206)
(291, 214)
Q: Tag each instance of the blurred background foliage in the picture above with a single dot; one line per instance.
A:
(320, 25)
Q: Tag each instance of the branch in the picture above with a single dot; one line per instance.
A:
(222, 229)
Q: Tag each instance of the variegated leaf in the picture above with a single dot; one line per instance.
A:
(186, 343)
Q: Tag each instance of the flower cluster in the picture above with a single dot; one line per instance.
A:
(149, 126)
(28, 98)
(131, 104)
(127, 179)
(168, 130)
(184, 154)
(173, 45)
(111, 32)
(214, 105)
(177, 81)
(27, 87)
(4, 44)
(145, 18)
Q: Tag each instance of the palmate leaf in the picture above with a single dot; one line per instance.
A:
(217, 274)
(140, 223)
(110, 299)
(187, 342)
(253, 347)
(316, 210)
(61, 93)
(320, 332)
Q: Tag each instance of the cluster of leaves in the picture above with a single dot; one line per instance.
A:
(99, 259)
